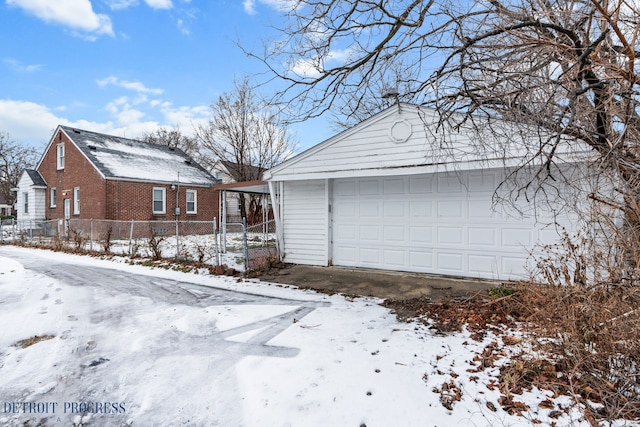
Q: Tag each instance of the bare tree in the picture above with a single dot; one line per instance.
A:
(540, 77)
(14, 158)
(172, 137)
(245, 133)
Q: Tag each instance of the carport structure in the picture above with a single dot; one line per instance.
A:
(256, 188)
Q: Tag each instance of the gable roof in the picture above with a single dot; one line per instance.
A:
(241, 173)
(127, 159)
(36, 178)
(409, 139)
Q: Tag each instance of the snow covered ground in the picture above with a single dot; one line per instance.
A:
(127, 345)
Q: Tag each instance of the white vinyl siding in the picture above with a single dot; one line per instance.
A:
(159, 200)
(76, 201)
(192, 201)
(305, 216)
(53, 197)
(36, 199)
(60, 156)
(369, 149)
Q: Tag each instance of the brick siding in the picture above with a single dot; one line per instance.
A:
(112, 199)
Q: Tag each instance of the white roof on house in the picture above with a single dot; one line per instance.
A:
(407, 139)
(122, 158)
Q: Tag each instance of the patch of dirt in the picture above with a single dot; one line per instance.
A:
(33, 340)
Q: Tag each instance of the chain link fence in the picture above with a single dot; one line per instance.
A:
(233, 244)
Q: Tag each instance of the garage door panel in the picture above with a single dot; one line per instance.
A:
(482, 236)
(420, 209)
(451, 262)
(420, 235)
(345, 254)
(449, 235)
(345, 188)
(421, 185)
(421, 261)
(393, 186)
(394, 257)
(369, 187)
(482, 182)
(370, 256)
(430, 223)
(514, 266)
(394, 233)
(370, 233)
(345, 209)
(450, 209)
(516, 237)
(368, 209)
(483, 265)
(481, 209)
(449, 184)
(393, 209)
(345, 232)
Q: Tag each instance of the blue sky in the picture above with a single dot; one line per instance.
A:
(127, 66)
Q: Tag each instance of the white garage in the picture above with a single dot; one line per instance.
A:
(376, 196)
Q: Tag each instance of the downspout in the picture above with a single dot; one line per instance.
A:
(275, 202)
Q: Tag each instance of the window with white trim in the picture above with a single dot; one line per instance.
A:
(60, 155)
(25, 201)
(76, 201)
(159, 200)
(53, 195)
(192, 201)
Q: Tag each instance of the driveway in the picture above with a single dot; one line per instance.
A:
(382, 284)
(91, 342)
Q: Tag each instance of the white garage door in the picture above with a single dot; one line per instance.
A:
(438, 223)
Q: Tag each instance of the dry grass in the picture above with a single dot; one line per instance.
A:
(584, 342)
(33, 340)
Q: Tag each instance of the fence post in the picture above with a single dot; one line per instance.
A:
(244, 242)
(30, 231)
(215, 240)
(91, 234)
(130, 238)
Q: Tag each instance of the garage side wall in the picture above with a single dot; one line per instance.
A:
(305, 219)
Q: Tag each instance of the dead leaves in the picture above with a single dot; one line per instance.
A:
(450, 392)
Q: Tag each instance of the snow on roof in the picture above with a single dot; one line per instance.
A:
(124, 158)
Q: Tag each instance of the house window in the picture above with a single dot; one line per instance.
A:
(25, 199)
(76, 201)
(159, 200)
(192, 201)
(52, 197)
(60, 155)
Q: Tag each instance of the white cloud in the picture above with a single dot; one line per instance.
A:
(312, 67)
(33, 124)
(134, 86)
(279, 5)
(307, 68)
(75, 14)
(121, 4)
(16, 65)
(159, 4)
(184, 29)
(249, 6)
(30, 123)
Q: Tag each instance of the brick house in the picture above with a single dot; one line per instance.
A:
(89, 175)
